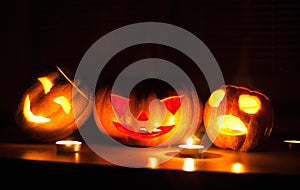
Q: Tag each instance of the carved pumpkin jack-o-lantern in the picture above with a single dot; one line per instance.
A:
(153, 114)
(238, 118)
(45, 112)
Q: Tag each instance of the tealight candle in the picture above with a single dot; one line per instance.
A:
(190, 149)
(68, 146)
(293, 144)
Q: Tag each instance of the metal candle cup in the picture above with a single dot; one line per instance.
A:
(190, 149)
(293, 144)
(68, 146)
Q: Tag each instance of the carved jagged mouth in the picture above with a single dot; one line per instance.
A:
(143, 133)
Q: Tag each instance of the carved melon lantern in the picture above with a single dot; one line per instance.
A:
(238, 118)
(45, 112)
(152, 114)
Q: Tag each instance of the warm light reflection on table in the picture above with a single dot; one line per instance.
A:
(153, 163)
(213, 160)
(237, 167)
(189, 164)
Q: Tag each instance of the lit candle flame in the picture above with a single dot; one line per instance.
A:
(189, 141)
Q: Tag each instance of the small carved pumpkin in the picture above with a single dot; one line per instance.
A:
(238, 118)
(45, 112)
(153, 114)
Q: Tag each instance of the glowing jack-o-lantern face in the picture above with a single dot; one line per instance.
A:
(143, 124)
(45, 112)
(153, 114)
(238, 118)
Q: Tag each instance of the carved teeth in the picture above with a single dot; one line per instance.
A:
(156, 130)
(143, 129)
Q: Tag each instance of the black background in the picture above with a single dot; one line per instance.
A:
(255, 42)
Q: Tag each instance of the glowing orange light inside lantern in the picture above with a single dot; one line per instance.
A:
(47, 84)
(238, 118)
(64, 102)
(146, 122)
(216, 98)
(30, 116)
(231, 125)
(249, 104)
(61, 100)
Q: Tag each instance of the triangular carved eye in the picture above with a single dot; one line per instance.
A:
(47, 84)
(119, 103)
(143, 116)
(172, 103)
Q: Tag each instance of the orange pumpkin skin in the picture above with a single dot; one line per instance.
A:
(112, 124)
(62, 122)
(259, 124)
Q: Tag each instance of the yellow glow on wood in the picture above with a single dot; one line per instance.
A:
(64, 102)
(30, 116)
(47, 84)
(237, 167)
(153, 162)
(230, 125)
(216, 97)
(249, 104)
(189, 165)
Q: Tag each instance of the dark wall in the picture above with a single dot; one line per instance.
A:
(255, 42)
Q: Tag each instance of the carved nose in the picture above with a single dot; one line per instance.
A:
(143, 116)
